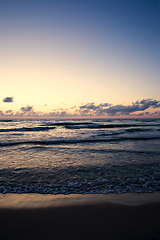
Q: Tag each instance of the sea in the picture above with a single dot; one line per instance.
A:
(79, 156)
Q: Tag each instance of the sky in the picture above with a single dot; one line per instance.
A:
(79, 58)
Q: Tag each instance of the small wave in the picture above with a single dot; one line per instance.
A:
(127, 125)
(66, 123)
(26, 129)
(139, 130)
(17, 134)
(5, 120)
(79, 126)
(107, 126)
(79, 141)
(110, 133)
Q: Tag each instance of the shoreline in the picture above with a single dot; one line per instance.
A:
(32, 200)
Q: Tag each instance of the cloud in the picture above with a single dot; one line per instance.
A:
(90, 109)
(104, 109)
(8, 99)
(73, 107)
(9, 112)
(27, 109)
(61, 114)
(1, 113)
(88, 106)
(145, 108)
(155, 113)
(104, 105)
(135, 107)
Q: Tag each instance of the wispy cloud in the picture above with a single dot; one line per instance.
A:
(8, 99)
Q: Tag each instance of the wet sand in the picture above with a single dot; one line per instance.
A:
(96, 217)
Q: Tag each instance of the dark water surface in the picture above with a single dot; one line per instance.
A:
(79, 156)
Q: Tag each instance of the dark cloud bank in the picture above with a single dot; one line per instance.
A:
(106, 109)
(138, 108)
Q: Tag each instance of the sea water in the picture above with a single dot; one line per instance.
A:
(81, 156)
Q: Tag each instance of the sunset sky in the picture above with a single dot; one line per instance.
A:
(79, 58)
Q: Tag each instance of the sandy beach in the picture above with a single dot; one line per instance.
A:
(110, 216)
